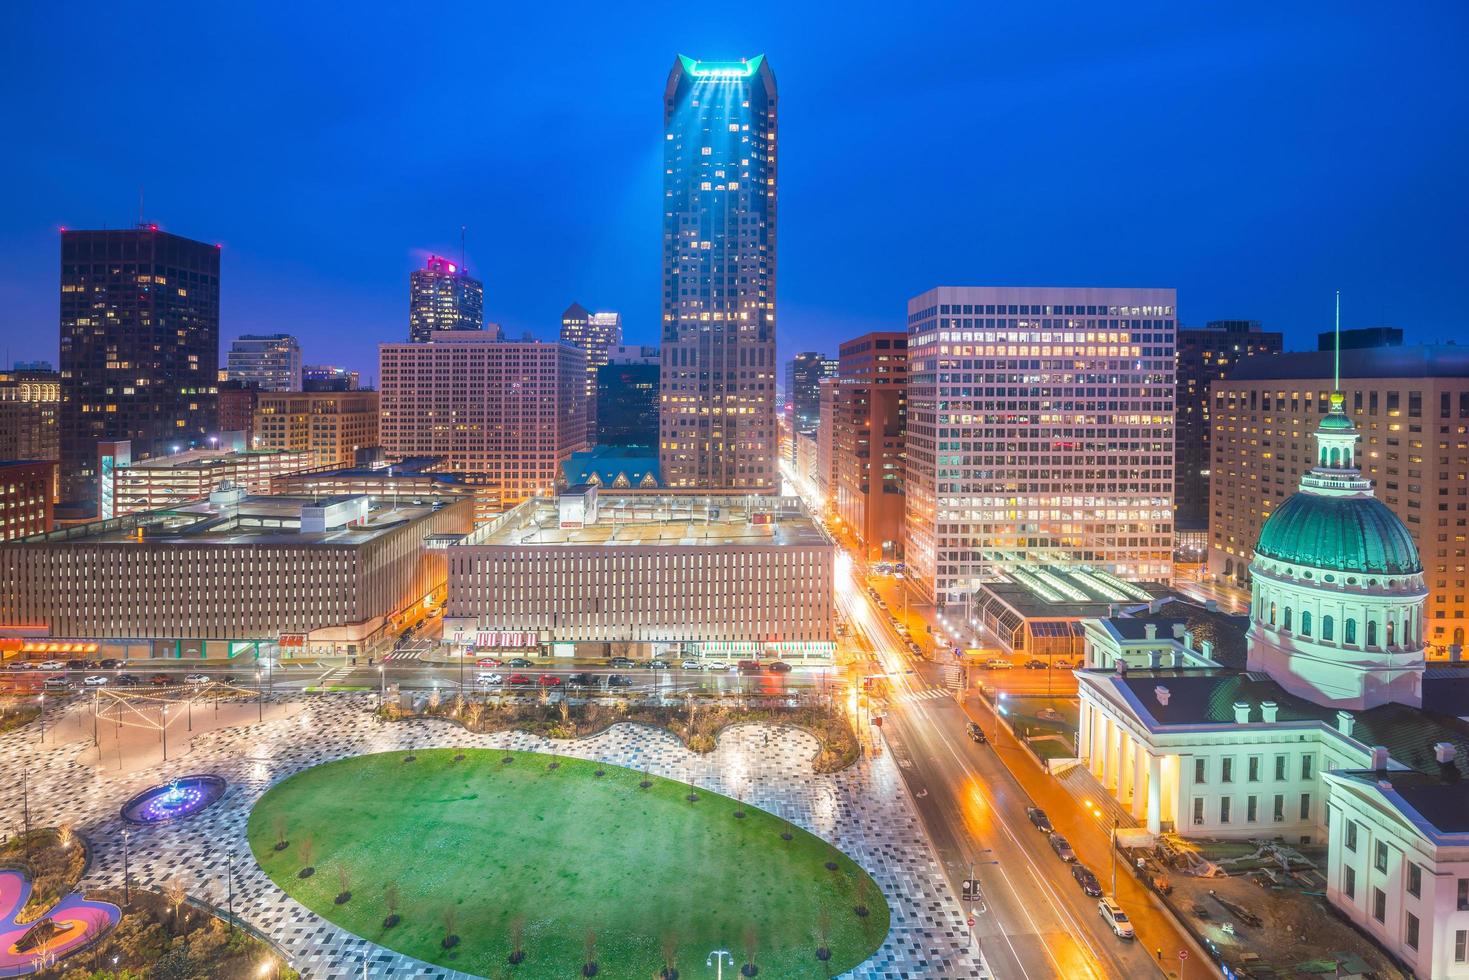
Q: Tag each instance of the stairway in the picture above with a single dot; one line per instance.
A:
(1080, 783)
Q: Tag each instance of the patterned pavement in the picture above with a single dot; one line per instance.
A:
(865, 811)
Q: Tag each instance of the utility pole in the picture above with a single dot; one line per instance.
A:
(1115, 824)
(716, 959)
(125, 901)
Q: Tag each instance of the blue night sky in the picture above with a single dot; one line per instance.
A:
(1252, 156)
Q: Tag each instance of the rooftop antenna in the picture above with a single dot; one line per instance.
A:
(1336, 347)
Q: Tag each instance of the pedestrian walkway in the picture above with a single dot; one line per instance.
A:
(925, 694)
(403, 655)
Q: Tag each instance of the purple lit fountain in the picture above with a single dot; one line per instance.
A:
(183, 797)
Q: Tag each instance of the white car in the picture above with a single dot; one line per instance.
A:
(51, 665)
(692, 665)
(717, 665)
(95, 680)
(489, 680)
(999, 663)
(1117, 919)
(196, 678)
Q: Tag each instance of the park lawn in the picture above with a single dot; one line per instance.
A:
(563, 852)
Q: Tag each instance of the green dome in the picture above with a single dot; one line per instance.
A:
(1337, 421)
(1344, 534)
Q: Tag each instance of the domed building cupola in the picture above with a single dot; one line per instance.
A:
(1338, 591)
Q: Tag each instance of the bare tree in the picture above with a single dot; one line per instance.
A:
(752, 944)
(66, 836)
(176, 893)
(448, 916)
(670, 956)
(589, 946)
(280, 831)
(307, 850)
(344, 883)
(517, 939)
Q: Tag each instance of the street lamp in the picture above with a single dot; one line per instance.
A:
(229, 870)
(716, 959)
(259, 704)
(164, 726)
(382, 685)
(42, 699)
(125, 836)
(1115, 824)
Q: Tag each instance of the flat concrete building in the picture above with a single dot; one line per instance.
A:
(234, 574)
(1411, 405)
(270, 362)
(1039, 430)
(509, 411)
(167, 481)
(330, 425)
(673, 575)
(27, 489)
(30, 405)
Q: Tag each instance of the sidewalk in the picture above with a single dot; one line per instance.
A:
(1156, 928)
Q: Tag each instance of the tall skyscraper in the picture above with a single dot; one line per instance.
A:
(139, 347)
(328, 377)
(443, 296)
(1040, 431)
(508, 411)
(271, 362)
(717, 388)
(627, 398)
(595, 333)
(803, 373)
(869, 414)
(1205, 355)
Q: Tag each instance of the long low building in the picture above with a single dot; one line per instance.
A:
(686, 575)
(235, 573)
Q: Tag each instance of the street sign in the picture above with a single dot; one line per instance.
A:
(971, 922)
(1183, 954)
(968, 892)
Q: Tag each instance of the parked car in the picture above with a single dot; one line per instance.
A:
(692, 665)
(1065, 665)
(489, 662)
(518, 680)
(749, 666)
(1062, 847)
(998, 663)
(623, 662)
(51, 665)
(95, 680)
(110, 663)
(778, 667)
(975, 733)
(582, 679)
(619, 680)
(57, 682)
(159, 680)
(718, 665)
(128, 680)
(1087, 880)
(518, 662)
(549, 680)
(196, 678)
(487, 679)
(77, 665)
(657, 665)
(1039, 819)
(1034, 664)
(20, 665)
(1117, 919)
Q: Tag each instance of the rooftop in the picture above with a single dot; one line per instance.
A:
(651, 519)
(1443, 803)
(207, 458)
(1423, 361)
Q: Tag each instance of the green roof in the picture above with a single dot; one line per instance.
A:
(1336, 420)
(1343, 534)
(720, 69)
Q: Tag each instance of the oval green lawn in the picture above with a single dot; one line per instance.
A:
(566, 852)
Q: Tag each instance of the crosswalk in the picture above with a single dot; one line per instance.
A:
(403, 655)
(927, 694)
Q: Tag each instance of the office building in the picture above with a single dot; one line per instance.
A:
(270, 362)
(1205, 355)
(804, 374)
(627, 398)
(30, 408)
(331, 425)
(869, 413)
(1360, 338)
(236, 575)
(139, 346)
(237, 404)
(597, 334)
(417, 479)
(1411, 405)
(717, 420)
(722, 577)
(326, 377)
(168, 481)
(508, 411)
(443, 296)
(1040, 430)
(26, 493)
(612, 468)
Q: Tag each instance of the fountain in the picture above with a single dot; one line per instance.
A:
(183, 797)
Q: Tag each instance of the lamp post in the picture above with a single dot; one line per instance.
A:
(41, 698)
(164, 726)
(382, 685)
(229, 871)
(716, 959)
(125, 901)
(1115, 824)
(259, 704)
(25, 798)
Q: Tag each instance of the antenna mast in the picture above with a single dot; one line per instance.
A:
(1336, 357)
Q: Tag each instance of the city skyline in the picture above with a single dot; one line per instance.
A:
(1393, 254)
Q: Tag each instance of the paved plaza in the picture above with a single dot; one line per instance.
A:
(865, 811)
